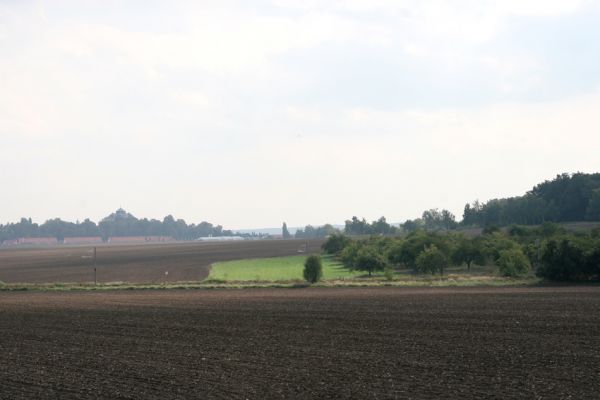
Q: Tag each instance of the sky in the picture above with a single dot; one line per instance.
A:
(251, 113)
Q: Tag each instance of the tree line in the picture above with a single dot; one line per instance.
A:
(119, 223)
(549, 251)
(566, 198)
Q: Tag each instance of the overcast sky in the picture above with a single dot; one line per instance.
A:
(251, 113)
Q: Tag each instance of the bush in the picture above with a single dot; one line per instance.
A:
(431, 260)
(513, 263)
(388, 272)
(568, 259)
(313, 268)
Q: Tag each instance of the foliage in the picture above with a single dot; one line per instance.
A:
(119, 223)
(431, 260)
(417, 242)
(494, 244)
(469, 251)
(285, 232)
(349, 254)
(567, 198)
(368, 259)
(355, 226)
(388, 273)
(394, 252)
(513, 263)
(313, 268)
(490, 229)
(335, 243)
(411, 225)
(310, 231)
(592, 212)
(570, 258)
(434, 219)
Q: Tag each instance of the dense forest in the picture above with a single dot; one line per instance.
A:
(119, 223)
(567, 198)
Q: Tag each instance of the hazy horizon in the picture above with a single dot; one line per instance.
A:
(250, 115)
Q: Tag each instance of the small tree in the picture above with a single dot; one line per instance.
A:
(513, 263)
(284, 231)
(313, 268)
(368, 259)
(468, 251)
(349, 254)
(431, 260)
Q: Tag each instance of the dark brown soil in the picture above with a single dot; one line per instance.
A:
(541, 343)
(139, 263)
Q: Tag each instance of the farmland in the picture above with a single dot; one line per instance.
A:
(276, 269)
(149, 263)
(317, 343)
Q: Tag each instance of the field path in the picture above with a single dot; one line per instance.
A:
(148, 263)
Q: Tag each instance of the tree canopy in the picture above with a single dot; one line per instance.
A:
(119, 223)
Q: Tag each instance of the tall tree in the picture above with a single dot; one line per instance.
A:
(284, 231)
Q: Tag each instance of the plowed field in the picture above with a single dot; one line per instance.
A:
(302, 343)
(148, 263)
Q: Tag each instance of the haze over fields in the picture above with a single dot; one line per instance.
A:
(253, 113)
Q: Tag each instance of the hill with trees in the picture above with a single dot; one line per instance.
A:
(566, 198)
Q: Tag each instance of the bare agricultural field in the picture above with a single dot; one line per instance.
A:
(147, 263)
(446, 343)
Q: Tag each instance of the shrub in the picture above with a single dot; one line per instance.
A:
(313, 268)
(388, 272)
(431, 260)
(567, 259)
(513, 263)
